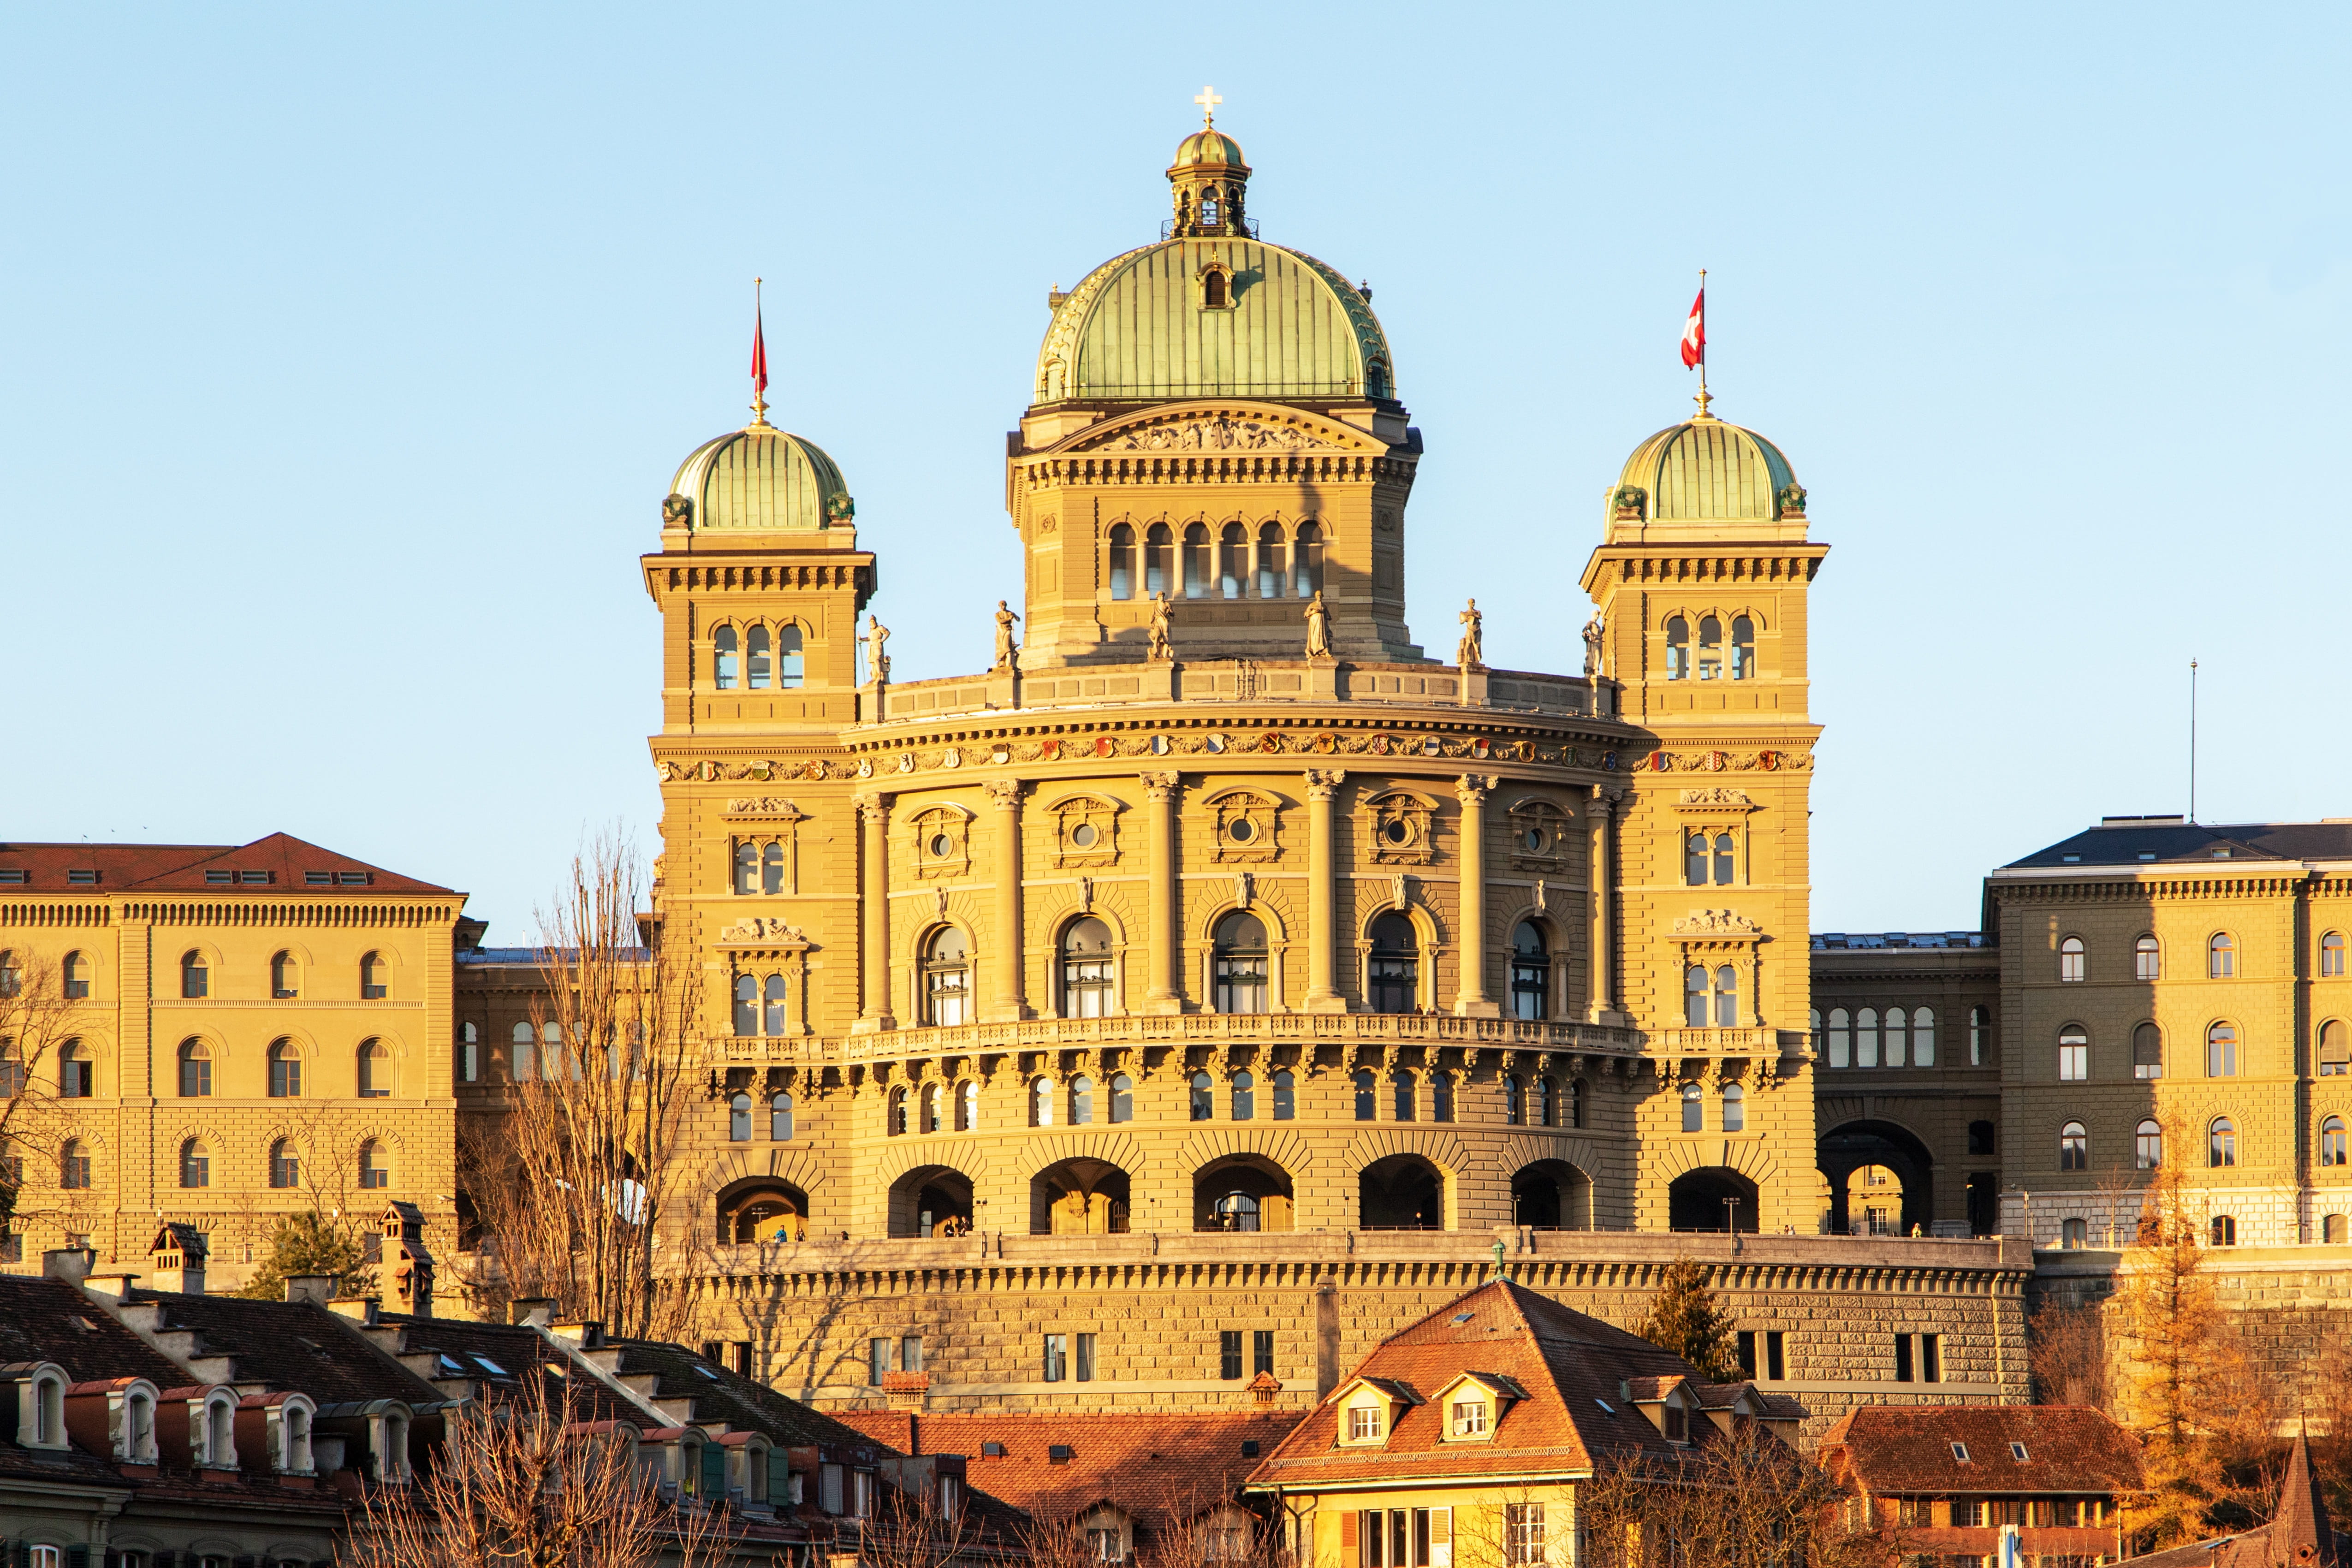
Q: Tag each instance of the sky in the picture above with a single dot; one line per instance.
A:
(347, 353)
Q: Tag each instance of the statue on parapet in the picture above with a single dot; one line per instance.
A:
(1160, 647)
(1318, 627)
(1592, 631)
(1005, 648)
(877, 634)
(1470, 652)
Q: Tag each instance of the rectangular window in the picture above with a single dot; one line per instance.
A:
(910, 1354)
(1399, 1541)
(1104, 1546)
(1057, 1354)
(1420, 1538)
(1372, 1533)
(1523, 1532)
(1931, 1358)
(1229, 1354)
(1262, 1351)
(2073, 1058)
(879, 1359)
(1776, 1361)
(1967, 1513)
(1902, 1358)
(1364, 1424)
(861, 1493)
(1747, 1343)
(1085, 1358)
(469, 1063)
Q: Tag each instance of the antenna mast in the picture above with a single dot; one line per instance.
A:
(2192, 742)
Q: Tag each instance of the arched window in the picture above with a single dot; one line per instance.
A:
(1235, 1211)
(550, 1051)
(1514, 1109)
(1271, 573)
(968, 1107)
(1401, 1084)
(1203, 1102)
(1866, 1038)
(2074, 1055)
(1041, 1102)
(1157, 543)
(376, 977)
(2074, 1147)
(1232, 560)
(1547, 1102)
(2221, 957)
(773, 1005)
(285, 977)
(77, 1073)
(1082, 1101)
(738, 1119)
(1122, 1097)
(1923, 1036)
(1531, 972)
(934, 1106)
(747, 1006)
(947, 978)
(722, 658)
(1306, 568)
(12, 1070)
(1979, 1036)
(1743, 649)
(757, 669)
(73, 971)
(2148, 1051)
(1840, 1038)
(1727, 996)
(772, 868)
(1696, 994)
(894, 1113)
(2331, 956)
(1677, 648)
(1122, 561)
(1694, 1108)
(1734, 1107)
(1576, 1102)
(1695, 868)
(790, 668)
(1085, 968)
(2073, 1233)
(73, 1165)
(1395, 964)
(375, 1070)
(375, 1166)
(1710, 648)
(1239, 963)
(2148, 960)
(2331, 1143)
(1243, 1097)
(1197, 564)
(1441, 1097)
(1726, 860)
(1897, 1038)
(780, 1118)
(2070, 960)
(2221, 1051)
(195, 977)
(1367, 1094)
(195, 1163)
(2221, 1143)
(285, 1070)
(747, 868)
(196, 1069)
(2225, 1230)
(2147, 1145)
(2335, 1051)
(1286, 1095)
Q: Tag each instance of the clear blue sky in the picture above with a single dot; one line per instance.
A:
(349, 352)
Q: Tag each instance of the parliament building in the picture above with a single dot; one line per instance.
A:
(1171, 1011)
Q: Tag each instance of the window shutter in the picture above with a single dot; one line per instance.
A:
(1441, 1538)
(1347, 1537)
(714, 1473)
(77, 1557)
(780, 1478)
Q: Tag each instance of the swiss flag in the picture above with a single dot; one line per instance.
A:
(760, 354)
(1695, 332)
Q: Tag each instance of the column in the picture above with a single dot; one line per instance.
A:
(873, 904)
(1166, 994)
(1600, 872)
(1470, 998)
(1011, 1003)
(1322, 995)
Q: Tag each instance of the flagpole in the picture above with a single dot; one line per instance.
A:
(760, 358)
(1702, 342)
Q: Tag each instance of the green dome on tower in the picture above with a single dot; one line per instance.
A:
(757, 479)
(1705, 470)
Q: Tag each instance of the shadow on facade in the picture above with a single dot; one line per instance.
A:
(1700, 1200)
(1403, 1191)
(1551, 1194)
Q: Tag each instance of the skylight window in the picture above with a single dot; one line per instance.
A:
(705, 1372)
(1604, 1404)
(494, 1368)
(1463, 1317)
(2017, 1452)
(2072, 859)
(1960, 1452)
(2148, 854)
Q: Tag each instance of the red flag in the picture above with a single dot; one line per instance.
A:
(759, 355)
(1695, 332)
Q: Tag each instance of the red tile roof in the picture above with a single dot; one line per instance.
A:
(1157, 1467)
(180, 867)
(1906, 1450)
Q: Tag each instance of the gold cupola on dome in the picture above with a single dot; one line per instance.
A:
(1210, 179)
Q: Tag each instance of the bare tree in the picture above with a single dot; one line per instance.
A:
(1744, 1499)
(915, 1529)
(332, 1233)
(2067, 1347)
(35, 1123)
(579, 1186)
(520, 1486)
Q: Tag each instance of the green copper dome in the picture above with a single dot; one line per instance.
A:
(1150, 325)
(757, 479)
(1705, 470)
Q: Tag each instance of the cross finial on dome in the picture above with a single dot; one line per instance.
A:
(1208, 100)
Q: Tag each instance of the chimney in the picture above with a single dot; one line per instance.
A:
(411, 1265)
(360, 1310)
(1265, 1389)
(532, 1312)
(175, 1260)
(315, 1288)
(69, 1263)
(907, 1390)
(587, 1333)
(117, 1284)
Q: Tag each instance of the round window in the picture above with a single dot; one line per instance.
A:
(942, 846)
(1396, 832)
(1084, 835)
(1241, 830)
(1534, 840)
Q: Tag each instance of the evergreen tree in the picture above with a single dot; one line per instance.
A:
(309, 1243)
(1684, 1318)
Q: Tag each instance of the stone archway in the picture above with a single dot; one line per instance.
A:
(1551, 1194)
(1402, 1192)
(1241, 1192)
(1851, 1146)
(1078, 1197)
(1699, 1200)
(930, 1200)
(761, 1210)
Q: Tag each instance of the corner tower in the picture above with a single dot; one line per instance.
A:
(1215, 419)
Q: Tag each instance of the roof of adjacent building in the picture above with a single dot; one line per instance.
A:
(1872, 941)
(2176, 841)
(50, 1319)
(1901, 1450)
(288, 1345)
(1157, 1467)
(279, 862)
(2299, 1531)
(1573, 1367)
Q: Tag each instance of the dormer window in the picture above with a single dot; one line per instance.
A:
(1469, 1418)
(1677, 1423)
(1364, 1424)
(1216, 290)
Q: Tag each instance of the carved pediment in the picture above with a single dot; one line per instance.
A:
(1716, 922)
(1223, 430)
(764, 930)
(1717, 799)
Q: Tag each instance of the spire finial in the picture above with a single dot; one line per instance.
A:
(758, 361)
(1208, 100)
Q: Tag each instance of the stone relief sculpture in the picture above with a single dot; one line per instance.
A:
(1006, 648)
(1318, 627)
(1219, 432)
(678, 512)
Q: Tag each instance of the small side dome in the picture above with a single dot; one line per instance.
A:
(1210, 147)
(760, 479)
(1705, 470)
